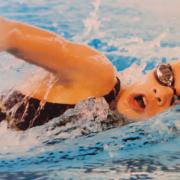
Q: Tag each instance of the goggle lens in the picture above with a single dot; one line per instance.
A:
(164, 75)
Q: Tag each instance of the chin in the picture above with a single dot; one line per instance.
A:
(133, 116)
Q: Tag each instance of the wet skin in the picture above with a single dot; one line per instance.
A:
(81, 72)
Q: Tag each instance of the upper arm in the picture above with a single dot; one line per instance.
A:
(89, 70)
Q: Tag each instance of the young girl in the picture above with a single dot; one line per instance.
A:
(81, 72)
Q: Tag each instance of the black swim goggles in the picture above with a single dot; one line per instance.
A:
(165, 76)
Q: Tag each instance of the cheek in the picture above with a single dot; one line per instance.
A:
(154, 109)
(122, 105)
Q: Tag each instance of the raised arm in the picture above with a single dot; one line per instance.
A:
(76, 65)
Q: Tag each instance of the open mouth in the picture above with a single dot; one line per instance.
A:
(138, 103)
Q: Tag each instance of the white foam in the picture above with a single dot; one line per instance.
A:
(145, 50)
(92, 24)
(15, 142)
(128, 74)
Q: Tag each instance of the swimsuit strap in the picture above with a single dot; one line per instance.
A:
(115, 91)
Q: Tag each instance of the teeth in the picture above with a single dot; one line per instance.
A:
(144, 99)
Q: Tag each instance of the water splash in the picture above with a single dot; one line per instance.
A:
(91, 24)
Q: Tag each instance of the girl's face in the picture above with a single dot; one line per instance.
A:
(148, 97)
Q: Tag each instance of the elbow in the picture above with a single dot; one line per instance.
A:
(108, 79)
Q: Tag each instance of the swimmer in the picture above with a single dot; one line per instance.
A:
(81, 72)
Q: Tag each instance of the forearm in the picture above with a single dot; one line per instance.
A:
(35, 45)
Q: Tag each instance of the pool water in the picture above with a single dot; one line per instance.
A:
(135, 35)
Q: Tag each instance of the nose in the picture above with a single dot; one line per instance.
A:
(161, 96)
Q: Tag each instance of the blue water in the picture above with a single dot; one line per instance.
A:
(135, 35)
